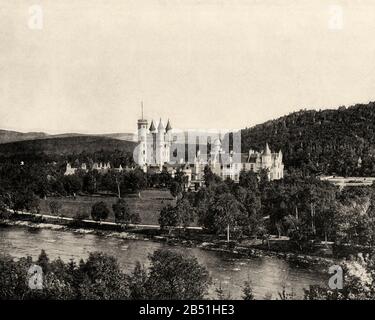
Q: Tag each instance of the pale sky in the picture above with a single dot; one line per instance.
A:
(201, 63)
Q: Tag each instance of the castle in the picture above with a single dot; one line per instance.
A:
(154, 144)
(154, 155)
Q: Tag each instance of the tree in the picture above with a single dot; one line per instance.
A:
(89, 182)
(72, 184)
(137, 282)
(185, 213)
(221, 295)
(168, 217)
(247, 291)
(358, 282)
(3, 209)
(25, 200)
(176, 276)
(284, 295)
(248, 180)
(102, 278)
(99, 211)
(43, 261)
(55, 206)
(255, 221)
(13, 277)
(123, 214)
(176, 189)
(226, 213)
(180, 215)
(135, 181)
(209, 177)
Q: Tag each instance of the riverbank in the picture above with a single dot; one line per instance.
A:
(321, 263)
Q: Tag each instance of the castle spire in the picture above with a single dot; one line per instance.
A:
(152, 127)
(168, 127)
(160, 126)
(267, 151)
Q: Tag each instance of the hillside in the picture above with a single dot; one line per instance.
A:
(11, 136)
(323, 142)
(64, 146)
(7, 136)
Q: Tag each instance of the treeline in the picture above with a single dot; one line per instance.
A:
(321, 142)
(100, 277)
(304, 208)
(23, 183)
(171, 276)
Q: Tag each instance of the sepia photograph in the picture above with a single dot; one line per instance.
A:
(210, 151)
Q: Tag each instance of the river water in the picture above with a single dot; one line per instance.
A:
(268, 275)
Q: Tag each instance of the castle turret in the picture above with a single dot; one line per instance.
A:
(152, 127)
(142, 141)
(217, 146)
(267, 157)
(153, 132)
(160, 144)
(161, 127)
(168, 141)
(168, 127)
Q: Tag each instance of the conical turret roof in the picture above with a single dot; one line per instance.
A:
(152, 126)
(267, 151)
(217, 142)
(168, 127)
(160, 126)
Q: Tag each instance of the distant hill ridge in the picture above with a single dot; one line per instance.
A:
(11, 136)
(7, 136)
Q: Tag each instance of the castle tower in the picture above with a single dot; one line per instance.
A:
(168, 141)
(142, 140)
(160, 144)
(215, 153)
(153, 132)
(267, 157)
(280, 156)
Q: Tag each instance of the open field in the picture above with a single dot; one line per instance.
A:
(148, 206)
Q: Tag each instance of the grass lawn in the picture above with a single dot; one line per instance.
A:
(148, 206)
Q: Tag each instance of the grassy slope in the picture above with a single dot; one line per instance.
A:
(148, 207)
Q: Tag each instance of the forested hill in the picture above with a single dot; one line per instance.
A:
(65, 146)
(322, 142)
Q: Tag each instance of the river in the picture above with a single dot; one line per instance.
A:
(268, 275)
